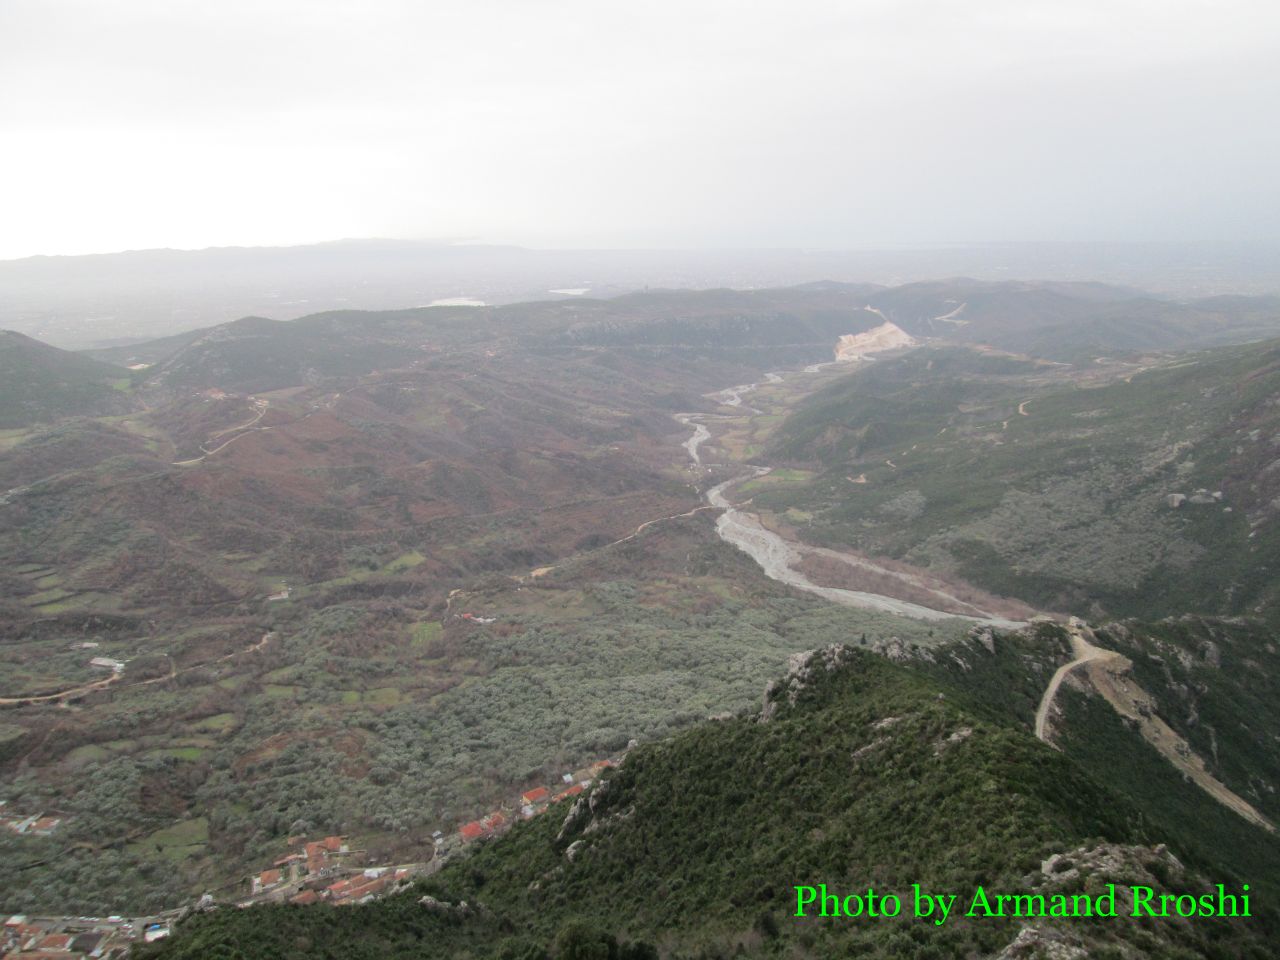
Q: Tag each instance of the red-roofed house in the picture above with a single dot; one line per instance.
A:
(473, 831)
(305, 897)
(266, 880)
(571, 792)
(367, 888)
(342, 888)
(536, 795)
(494, 821)
(318, 852)
(56, 941)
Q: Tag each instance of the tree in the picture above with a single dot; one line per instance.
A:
(579, 941)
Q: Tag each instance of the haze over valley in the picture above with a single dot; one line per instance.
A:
(776, 481)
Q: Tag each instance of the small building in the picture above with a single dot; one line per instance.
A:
(566, 794)
(535, 796)
(340, 890)
(320, 853)
(473, 831)
(55, 941)
(306, 897)
(88, 942)
(266, 880)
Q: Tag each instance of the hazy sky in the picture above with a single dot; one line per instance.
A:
(143, 123)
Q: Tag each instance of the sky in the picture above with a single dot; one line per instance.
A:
(128, 124)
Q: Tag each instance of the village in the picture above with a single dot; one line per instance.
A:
(78, 938)
(329, 870)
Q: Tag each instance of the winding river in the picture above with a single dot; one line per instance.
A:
(777, 556)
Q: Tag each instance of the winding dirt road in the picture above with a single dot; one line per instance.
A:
(1084, 652)
(118, 676)
(543, 571)
(1109, 674)
(245, 428)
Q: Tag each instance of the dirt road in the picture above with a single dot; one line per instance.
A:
(1109, 674)
(543, 571)
(245, 428)
(1084, 652)
(118, 676)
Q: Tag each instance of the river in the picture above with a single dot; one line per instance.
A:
(776, 556)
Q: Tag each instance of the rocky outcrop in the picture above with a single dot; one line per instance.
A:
(1121, 864)
(590, 814)
(887, 336)
(800, 668)
(1089, 869)
(461, 908)
(1032, 943)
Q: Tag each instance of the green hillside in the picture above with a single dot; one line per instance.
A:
(1212, 681)
(876, 775)
(1072, 321)
(1148, 495)
(40, 383)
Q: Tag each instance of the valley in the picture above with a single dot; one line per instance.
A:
(373, 575)
(778, 557)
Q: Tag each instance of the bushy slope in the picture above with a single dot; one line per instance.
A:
(874, 777)
(1069, 321)
(1061, 500)
(40, 383)
(1212, 681)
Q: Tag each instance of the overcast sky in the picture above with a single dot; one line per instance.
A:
(148, 123)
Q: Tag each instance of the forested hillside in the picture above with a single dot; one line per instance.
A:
(1149, 494)
(857, 772)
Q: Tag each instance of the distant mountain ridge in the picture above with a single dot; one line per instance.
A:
(1058, 321)
(79, 301)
